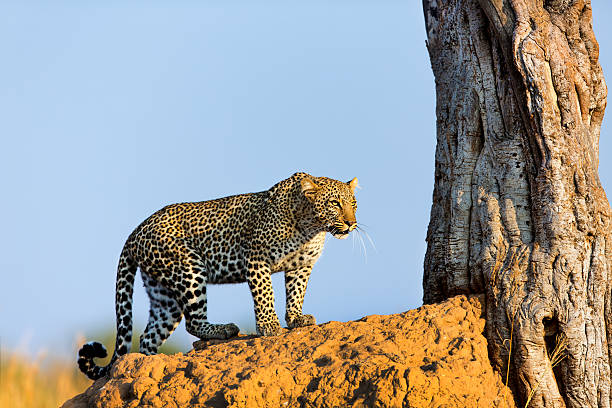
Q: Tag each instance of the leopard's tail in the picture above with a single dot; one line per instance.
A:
(126, 272)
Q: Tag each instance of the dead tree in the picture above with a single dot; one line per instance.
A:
(518, 210)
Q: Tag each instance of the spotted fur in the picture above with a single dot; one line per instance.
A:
(243, 238)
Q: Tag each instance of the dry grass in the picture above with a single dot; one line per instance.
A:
(557, 355)
(40, 382)
(45, 381)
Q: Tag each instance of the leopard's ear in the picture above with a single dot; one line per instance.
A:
(309, 188)
(353, 184)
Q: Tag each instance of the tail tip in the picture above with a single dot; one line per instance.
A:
(92, 349)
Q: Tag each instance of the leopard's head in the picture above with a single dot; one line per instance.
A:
(333, 203)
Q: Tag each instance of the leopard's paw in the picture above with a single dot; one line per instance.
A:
(301, 321)
(269, 329)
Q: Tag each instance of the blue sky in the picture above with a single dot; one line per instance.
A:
(110, 111)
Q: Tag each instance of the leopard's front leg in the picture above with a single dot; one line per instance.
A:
(295, 286)
(260, 283)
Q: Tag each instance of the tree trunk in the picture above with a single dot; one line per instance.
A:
(518, 210)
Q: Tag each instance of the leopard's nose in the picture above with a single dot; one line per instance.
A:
(351, 225)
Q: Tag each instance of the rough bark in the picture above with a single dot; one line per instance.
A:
(518, 210)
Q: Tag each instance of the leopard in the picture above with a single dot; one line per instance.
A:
(184, 247)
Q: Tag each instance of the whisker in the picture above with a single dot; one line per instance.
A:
(368, 237)
(365, 251)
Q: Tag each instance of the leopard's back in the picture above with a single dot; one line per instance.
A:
(213, 228)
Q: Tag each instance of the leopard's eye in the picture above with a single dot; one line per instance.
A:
(336, 203)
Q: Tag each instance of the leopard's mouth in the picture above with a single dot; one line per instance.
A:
(339, 234)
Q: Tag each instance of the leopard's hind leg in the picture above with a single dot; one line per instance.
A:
(196, 319)
(164, 315)
(190, 289)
